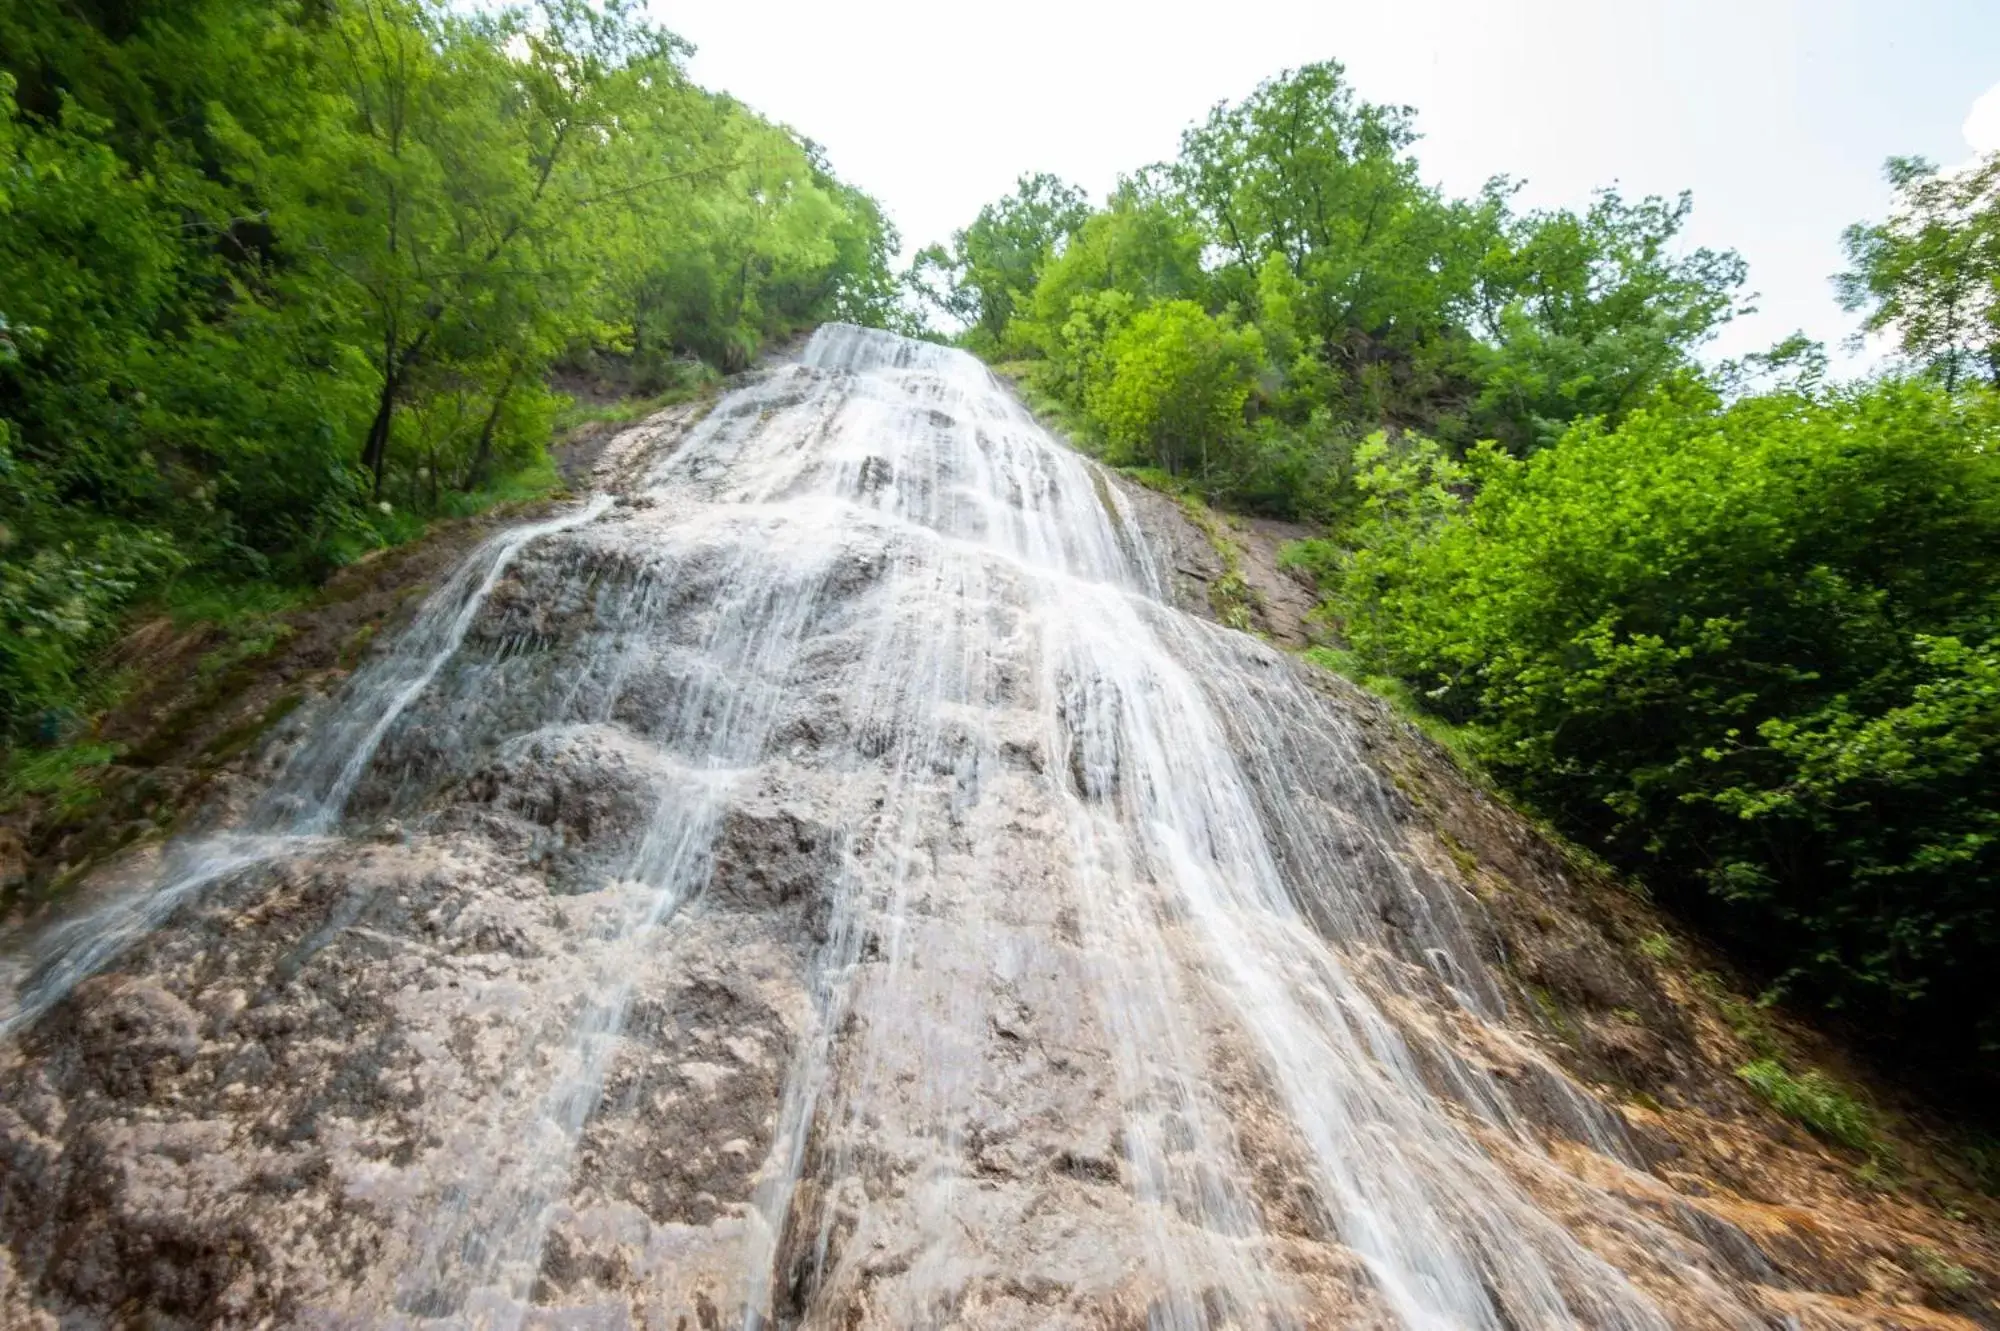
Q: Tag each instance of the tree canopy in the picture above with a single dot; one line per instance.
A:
(1930, 274)
(1300, 213)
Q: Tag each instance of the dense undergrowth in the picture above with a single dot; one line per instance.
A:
(1736, 628)
(280, 284)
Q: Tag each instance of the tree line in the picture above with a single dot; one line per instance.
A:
(1736, 627)
(277, 281)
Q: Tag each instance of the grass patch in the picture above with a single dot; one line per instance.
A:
(386, 525)
(67, 776)
(1816, 1102)
(247, 619)
(246, 643)
(625, 411)
(192, 601)
(1166, 483)
(1940, 1274)
(1551, 1010)
(537, 480)
(1459, 741)
(1467, 862)
(643, 388)
(1657, 946)
(1744, 1018)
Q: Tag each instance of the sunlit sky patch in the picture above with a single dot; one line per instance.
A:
(1982, 127)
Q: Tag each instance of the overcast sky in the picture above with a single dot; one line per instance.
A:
(1776, 113)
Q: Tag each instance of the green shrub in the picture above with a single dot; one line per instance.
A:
(1657, 946)
(1750, 651)
(1816, 1102)
(65, 776)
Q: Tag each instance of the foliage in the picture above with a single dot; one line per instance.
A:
(1171, 386)
(1748, 649)
(53, 605)
(279, 282)
(1930, 274)
(1582, 314)
(1816, 1101)
(66, 776)
(993, 265)
(1298, 215)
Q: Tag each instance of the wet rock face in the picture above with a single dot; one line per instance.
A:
(837, 886)
(574, 803)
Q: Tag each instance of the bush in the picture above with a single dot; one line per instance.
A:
(1814, 1100)
(1752, 651)
(56, 607)
(1172, 388)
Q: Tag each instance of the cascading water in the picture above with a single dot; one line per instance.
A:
(832, 887)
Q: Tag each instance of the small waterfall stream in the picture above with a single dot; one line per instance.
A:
(308, 798)
(831, 885)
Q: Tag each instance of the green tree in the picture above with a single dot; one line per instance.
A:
(1143, 247)
(257, 259)
(1300, 212)
(1748, 650)
(1172, 387)
(1583, 314)
(1383, 267)
(993, 265)
(1143, 243)
(1930, 275)
(444, 175)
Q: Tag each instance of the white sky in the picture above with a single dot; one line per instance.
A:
(1776, 113)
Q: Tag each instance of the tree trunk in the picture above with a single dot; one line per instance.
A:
(375, 453)
(477, 472)
(395, 370)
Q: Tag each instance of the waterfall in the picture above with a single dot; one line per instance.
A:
(835, 879)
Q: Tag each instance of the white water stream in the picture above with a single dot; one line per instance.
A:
(1119, 989)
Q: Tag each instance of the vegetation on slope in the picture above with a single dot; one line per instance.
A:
(1736, 628)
